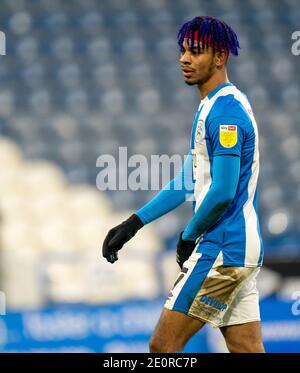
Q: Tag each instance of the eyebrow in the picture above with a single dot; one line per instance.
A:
(193, 47)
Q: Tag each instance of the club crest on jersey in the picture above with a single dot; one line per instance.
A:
(228, 135)
(200, 133)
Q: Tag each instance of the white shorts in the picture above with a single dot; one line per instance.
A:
(216, 294)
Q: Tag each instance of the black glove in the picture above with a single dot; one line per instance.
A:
(184, 250)
(118, 236)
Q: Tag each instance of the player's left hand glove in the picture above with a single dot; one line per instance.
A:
(118, 236)
(184, 250)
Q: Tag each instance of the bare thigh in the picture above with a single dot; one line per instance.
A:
(173, 331)
(244, 337)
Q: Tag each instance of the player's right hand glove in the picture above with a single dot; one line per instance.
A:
(184, 250)
(118, 236)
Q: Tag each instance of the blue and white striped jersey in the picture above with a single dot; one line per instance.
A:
(225, 124)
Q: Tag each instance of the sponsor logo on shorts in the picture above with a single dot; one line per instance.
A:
(214, 303)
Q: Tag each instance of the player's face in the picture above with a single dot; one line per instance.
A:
(197, 66)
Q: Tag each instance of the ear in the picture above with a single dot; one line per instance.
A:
(221, 58)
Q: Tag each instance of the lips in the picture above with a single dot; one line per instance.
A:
(187, 70)
(187, 73)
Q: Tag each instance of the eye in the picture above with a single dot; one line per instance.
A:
(195, 51)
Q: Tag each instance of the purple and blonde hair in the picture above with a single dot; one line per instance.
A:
(210, 32)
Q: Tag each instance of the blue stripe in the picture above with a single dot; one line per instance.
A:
(209, 149)
(194, 129)
(193, 284)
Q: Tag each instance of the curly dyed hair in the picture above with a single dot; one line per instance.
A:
(211, 32)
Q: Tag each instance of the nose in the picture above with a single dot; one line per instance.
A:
(185, 58)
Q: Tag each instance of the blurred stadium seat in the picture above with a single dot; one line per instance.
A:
(53, 230)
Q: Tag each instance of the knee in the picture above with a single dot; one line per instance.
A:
(159, 346)
(244, 347)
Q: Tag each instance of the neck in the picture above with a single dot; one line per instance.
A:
(220, 77)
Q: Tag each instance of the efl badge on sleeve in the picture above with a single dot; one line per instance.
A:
(228, 135)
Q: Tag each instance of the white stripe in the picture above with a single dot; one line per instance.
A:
(253, 244)
(219, 261)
